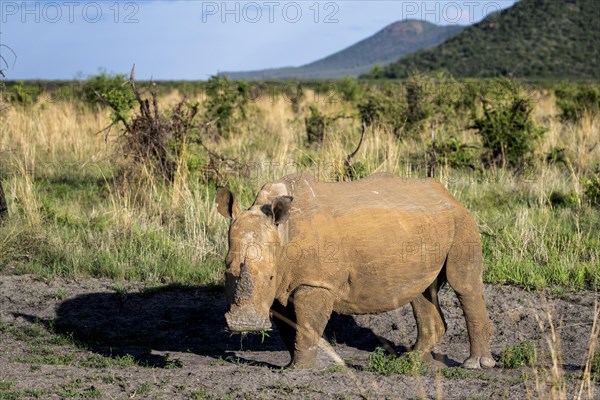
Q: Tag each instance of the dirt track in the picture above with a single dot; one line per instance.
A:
(177, 338)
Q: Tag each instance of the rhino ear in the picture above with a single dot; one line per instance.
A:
(280, 209)
(226, 204)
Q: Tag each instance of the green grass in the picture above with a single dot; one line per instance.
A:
(172, 363)
(526, 241)
(143, 389)
(336, 368)
(50, 356)
(76, 389)
(388, 364)
(5, 385)
(524, 244)
(27, 332)
(100, 361)
(552, 248)
(8, 392)
(144, 248)
(45, 347)
(595, 366)
(521, 354)
(200, 393)
(46, 359)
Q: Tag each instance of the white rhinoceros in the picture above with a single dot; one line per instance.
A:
(307, 248)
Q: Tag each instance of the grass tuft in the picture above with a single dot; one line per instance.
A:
(521, 354)
(386, 364)
(595, 367)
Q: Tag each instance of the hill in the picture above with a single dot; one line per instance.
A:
(384, 47)
(539, 39)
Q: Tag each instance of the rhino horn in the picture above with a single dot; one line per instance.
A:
(244, 288)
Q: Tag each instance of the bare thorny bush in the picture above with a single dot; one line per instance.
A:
(166, 141)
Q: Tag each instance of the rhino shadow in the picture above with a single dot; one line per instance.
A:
(174, 319)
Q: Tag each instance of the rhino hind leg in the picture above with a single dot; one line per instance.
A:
(464, 275)
(285, 320)
(431, 325)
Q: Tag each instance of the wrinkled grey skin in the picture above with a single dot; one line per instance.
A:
(387, 242)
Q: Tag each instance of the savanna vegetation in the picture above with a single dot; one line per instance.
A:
(96, 185)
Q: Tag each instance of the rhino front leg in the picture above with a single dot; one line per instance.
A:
(285, 320)
(313, 308)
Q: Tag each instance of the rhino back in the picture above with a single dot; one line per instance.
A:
(376, 242)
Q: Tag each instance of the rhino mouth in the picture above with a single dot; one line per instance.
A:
(246, 319)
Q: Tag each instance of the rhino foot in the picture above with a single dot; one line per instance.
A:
(296, 365)
(487, 362)
(435, 364)
(478, 362)
(302, 366)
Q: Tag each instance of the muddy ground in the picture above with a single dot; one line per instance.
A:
(92, 338)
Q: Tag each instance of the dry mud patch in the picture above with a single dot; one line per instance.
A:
(90, 339)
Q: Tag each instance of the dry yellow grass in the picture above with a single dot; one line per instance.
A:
(61, 141)
(55, 133)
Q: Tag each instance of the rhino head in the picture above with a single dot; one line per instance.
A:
(251, 275)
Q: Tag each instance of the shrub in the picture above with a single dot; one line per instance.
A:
(423, 100)
(560, 199)
(371, 109)
(113, 91)
(575, 101)
(469, 95)
(349, 88)
(456, 154)
(355, 171)
(382, 109)
(315, 124)
(294, 93)
(23, 93)
(507, 130)
(419, 107)
(156, 138)
(437, 100)
(226, 104)
(377, 72)
(166, 140)
(591, 187)
(556, 155)
(389, 364)
(521, 354)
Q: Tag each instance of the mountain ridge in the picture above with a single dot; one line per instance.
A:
(382, 48)
(541, 39)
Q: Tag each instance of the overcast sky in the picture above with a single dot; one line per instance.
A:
(196, 39)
